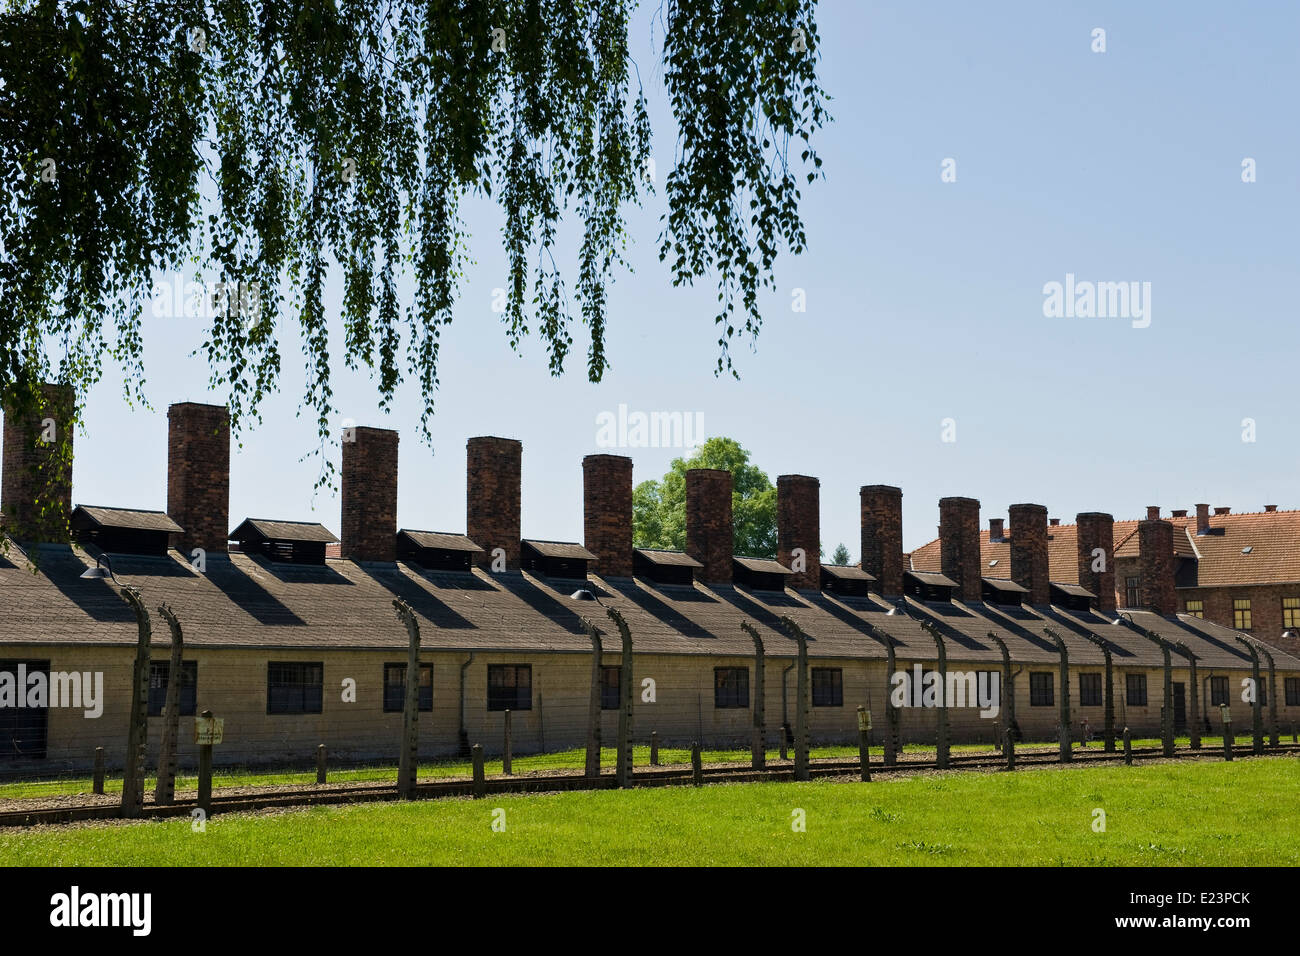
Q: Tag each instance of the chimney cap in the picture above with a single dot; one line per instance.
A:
(1153, 512)
(1270, 508)
(1179, 513)
(1222, 510)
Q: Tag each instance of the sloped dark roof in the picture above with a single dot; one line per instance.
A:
(1074, 590)
(131, 519)
(442, 540)
(267, 530)
(678, 559)
(761, 565)
(933, 578)
(1005, 584)
(845, 572)
(559, 549)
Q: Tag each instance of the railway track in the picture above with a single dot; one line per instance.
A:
(644, 777)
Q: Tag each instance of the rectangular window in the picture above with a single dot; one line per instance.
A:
(827, 687)
(293, 687)
(1196, 608)
(510, 687)
(1218, 691)
(1136, 685)
(158, 673)
(1291, 612)
(395, 687)
(1293, 691)
(1089, 690)
(609, 689)
(1241, 614)
(730, 687)
(1041, 690)
(1133, 592)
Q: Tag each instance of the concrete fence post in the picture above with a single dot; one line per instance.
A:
(506, 762)
(409, 747)
(1256, 716)
(864, 743)
(654, 748)
(1228, 739)
(1193, 695)
(757, 744)
(205, 772)
(801, 705)
(697, 764)
(593, 702)
(1009, 748)
(480, 778)
(321, 756)
(941, 750)
(138, 729)
(1128, 747)
(98, 785)
(623, 770)
(1063, 731)
(165, 789)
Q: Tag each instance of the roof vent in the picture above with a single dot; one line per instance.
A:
(1270, 508)
(1003, 591)
(762, 574)
(845, 580)
(289, 542)
(555, 559)
(664, 567)
(928, 586)
(1179, 513)
(123, 530)
(1222, 510)
(1072, 597)
(437, 550)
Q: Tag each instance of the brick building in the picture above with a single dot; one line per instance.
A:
(1238, 570)
(290, 633)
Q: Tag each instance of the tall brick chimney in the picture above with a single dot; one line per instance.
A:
(1029, 551)
(1156, 565)
(607, 513)
(710, 534)
(1097, 532)
(1202, 519)
(959, 545)
(996, 532)
(494, 470)
(198, 475)
(798, 525)
(369, 491)
(33, 468)
(882, 537)
(1153, 512)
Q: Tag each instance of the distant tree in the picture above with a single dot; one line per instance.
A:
(659, 507)
(841, 555)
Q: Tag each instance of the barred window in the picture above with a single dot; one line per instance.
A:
(1241, 614)
(1136, 685)
(1291, 612)
(1218, 691)
(1089, 690)
(730, 687)
(158, 675)
(1195, 608)
(510, 687)
(293, 687)
(609, 687)
(1041, 690)
(827, 687)
(1132, 592)
(395, 687)
(1293, 691)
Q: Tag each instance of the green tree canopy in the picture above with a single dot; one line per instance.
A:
(659, 507)
(841, 555)
(264, 145)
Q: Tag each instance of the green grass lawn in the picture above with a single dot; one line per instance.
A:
(1205, 813)
(73, 784)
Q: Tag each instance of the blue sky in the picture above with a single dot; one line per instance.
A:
(924, 298)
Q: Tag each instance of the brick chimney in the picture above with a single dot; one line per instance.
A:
(710, 534)
(33, 469)
(1153, 512)
(369, 491)
(607, 513)
(1029, 551)
(959, 545)
(882, 537)
(1097, 531)
(798, 525)
(198, 475)
(1156, 565)
(996, 533)
(1269, 509)
(1222, 510)
(1202, 519)
(494, 469)
(1179, 512)
(1053, 522)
